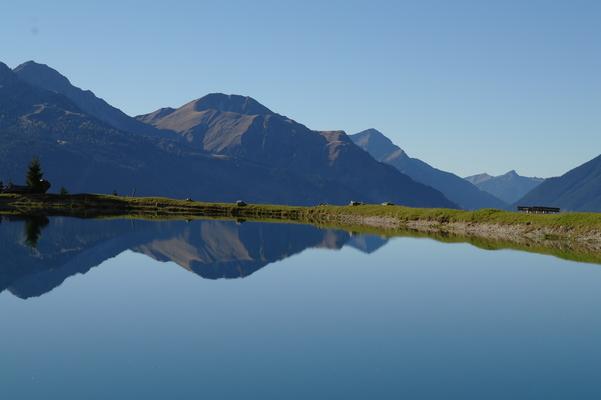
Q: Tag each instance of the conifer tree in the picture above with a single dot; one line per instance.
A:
(34, 174)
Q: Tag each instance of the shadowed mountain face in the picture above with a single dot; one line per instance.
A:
(456, 189)
(234, 148)
(85, 154)
(39, 254)
(509, 187)
(73, 146)
(241, 128)
(576, 190)
(43, 76)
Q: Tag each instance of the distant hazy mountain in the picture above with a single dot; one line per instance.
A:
(241, 128)
(456, 189)
(43, 76)
(479, 178)
(509, 187)
(577, 190)
(271, 159)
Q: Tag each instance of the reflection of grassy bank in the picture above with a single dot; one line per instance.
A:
(573, 236)
(562, 249)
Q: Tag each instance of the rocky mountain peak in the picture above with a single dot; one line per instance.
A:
(6, 74)
(375, 143)
(42, 75)
(231, 103)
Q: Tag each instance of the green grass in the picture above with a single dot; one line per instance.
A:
(577, 221)
(101, 204)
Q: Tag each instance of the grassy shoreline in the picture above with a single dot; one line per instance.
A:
(575, 236)
(94, 204)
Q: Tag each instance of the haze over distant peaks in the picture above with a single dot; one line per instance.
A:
(509, 187)
(456, 189)
(479, 178)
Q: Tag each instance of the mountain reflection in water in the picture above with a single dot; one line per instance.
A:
(38, 253)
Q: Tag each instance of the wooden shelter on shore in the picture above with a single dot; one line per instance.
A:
(539, 209)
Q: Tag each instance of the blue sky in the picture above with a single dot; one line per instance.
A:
(468, 86)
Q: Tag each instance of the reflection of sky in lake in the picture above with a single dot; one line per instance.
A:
(414, 319)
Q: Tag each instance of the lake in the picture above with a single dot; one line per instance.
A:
(98, 309)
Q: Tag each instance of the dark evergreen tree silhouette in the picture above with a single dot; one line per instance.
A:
(35, 175)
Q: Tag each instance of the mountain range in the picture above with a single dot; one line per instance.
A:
(85, 154)
(216, 148)
(241, 128)
(228, 147)
(456, 189)
(576, 190)
(509, 187)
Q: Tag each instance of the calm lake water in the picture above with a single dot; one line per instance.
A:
(213, 309)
